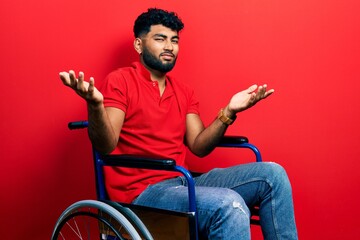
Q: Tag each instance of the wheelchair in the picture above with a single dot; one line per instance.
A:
(104, 219)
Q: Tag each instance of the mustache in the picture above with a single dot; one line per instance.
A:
(167, 53)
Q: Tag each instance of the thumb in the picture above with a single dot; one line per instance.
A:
(252, 88)
(64, 76)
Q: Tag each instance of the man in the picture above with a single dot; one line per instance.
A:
(141, 110)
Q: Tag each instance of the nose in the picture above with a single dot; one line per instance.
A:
(169, 45)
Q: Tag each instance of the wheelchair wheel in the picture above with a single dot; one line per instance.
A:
(90, 219)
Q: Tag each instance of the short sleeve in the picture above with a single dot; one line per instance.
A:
(193, 103)
(114, 90)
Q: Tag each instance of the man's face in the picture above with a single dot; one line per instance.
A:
(160, 48)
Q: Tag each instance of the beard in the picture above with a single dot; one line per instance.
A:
(155, 63)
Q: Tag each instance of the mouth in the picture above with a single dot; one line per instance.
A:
(167, 56)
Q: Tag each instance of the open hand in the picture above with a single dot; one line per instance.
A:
(86, 90)
(248, 98)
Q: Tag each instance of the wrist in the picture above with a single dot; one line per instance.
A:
(226, 117)
(94, 105)
(229, 113)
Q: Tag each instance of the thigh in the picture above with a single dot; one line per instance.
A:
(216, 207)
(169, 194)
(173, 195)
(251, 180)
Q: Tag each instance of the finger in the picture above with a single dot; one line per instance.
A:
(73, 80)
(91, 85)
(268, 93)
(264, 87)
(261, 89)
(80, 82)
(260, 93)
(81, 76)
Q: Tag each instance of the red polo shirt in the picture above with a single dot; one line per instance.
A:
(154, 126)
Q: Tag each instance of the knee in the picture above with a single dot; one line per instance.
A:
(277, 175)
(231, 205)
(226, 214)
(275, 168)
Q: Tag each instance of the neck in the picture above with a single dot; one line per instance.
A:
(155, 75)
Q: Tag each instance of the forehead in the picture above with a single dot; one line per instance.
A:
(161, 29)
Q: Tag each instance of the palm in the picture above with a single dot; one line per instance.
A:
(248, 98)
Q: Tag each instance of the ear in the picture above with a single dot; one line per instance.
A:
(138, 45)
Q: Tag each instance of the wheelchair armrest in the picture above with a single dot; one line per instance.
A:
(138, 162)
(240, 142)
(233, 140)
(78, 125)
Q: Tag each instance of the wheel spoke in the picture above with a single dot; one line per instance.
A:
(77, 231)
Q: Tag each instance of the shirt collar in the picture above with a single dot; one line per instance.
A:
(145, 73)
(142, 70)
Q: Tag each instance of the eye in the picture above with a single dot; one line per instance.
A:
(175, 41)
(159, 39)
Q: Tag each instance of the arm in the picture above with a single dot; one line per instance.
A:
(104, 123)
(200, 140)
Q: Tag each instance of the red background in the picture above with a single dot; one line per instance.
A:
(307, 50)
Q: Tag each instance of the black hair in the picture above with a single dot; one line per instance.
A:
(155, 16)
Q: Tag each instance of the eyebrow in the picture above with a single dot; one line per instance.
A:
(164, 36)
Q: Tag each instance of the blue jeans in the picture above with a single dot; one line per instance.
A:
(224, 196)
